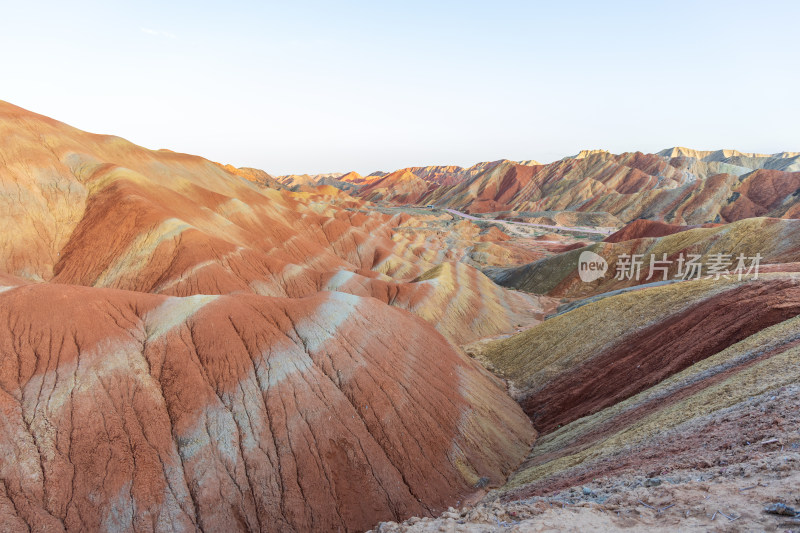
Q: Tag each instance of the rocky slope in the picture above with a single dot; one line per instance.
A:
(189, 346)
(732, 470)
(295, 182)
(562, 373)
(679, 186)
(401, 187)
(656, 409)
(134, 411)
(775, 240)
(676, 185)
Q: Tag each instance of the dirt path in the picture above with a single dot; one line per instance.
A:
(545, 226)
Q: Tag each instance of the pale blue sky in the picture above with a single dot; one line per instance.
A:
(319, 87)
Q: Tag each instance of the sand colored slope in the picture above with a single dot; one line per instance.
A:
(462, 303)
(50, 170)
(156, 221)
(401, 187)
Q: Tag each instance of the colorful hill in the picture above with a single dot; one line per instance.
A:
(186, 345)
(774, 240)
(619, 373)
(199, 412)
(678, 186)
(189, 345)
(673, 408)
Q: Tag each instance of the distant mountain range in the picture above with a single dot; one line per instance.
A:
(186, 345)
(677, 185)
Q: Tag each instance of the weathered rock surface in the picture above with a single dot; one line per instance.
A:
(774, 240)
(678, 186)
(718, 471)
(641, 228)
(186, 345)
(133, 411)
(608, 377)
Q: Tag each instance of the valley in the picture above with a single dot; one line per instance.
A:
(188, 345)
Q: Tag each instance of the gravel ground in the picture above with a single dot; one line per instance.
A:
(749, 462)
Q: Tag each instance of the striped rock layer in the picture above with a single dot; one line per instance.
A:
(620, 373)
(774, 240)
(187, 346)
(679, 186)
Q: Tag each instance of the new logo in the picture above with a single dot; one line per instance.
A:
(591, 266)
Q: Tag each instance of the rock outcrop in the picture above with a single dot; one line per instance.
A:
(189, 346)
(677, 186)
(131, 411)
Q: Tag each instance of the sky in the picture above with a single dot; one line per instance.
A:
(311, 87)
